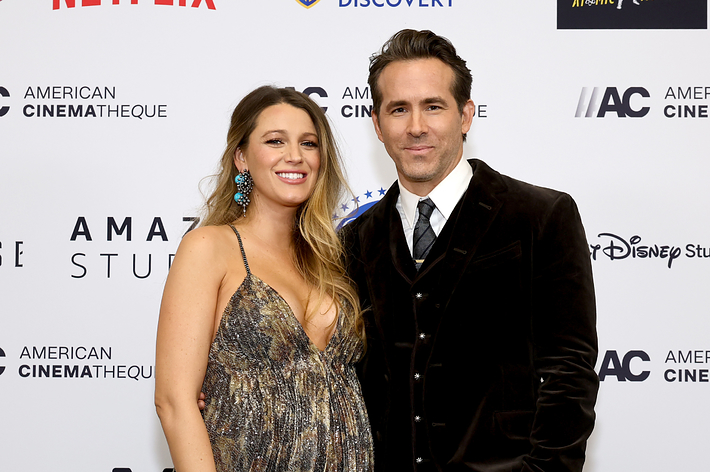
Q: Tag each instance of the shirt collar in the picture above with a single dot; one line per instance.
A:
(445, 195)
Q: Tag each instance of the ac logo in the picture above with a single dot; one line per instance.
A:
(611, 102)
(320, 91)
(611, 366)
(6, 94)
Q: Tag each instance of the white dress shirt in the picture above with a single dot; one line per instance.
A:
(445, 196)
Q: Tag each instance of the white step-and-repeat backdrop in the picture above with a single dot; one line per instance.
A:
(112, 111)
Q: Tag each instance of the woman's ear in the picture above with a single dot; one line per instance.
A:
(239, 160)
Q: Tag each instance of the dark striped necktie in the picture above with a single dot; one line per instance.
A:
(424, 236)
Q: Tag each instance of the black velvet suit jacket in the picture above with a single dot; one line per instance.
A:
(484, 359)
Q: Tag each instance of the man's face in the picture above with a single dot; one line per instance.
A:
(419, 122)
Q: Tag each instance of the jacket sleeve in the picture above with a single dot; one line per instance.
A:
(349, 237)
(564, 341)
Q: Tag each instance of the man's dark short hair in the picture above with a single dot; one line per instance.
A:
(408, 45)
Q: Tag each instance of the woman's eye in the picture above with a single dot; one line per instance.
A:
(312, 144)
(274, 141)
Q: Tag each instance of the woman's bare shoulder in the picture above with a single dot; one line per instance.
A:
(209, 238)
(208, 243)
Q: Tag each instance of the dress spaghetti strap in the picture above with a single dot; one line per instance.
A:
(241, 247)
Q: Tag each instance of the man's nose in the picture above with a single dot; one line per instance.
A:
(417, 124)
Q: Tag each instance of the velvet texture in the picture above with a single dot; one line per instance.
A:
(484, 359)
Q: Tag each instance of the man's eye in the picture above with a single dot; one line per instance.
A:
(398, 110)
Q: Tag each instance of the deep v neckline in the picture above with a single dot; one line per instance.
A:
(292, 315)
(289, 310)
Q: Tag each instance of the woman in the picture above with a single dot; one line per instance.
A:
(258, 312)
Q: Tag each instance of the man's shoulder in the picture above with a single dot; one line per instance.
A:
(367, 229)
(514, 190)
(376, 214)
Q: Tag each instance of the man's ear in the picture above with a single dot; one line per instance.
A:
(376, 122)
(469, 109)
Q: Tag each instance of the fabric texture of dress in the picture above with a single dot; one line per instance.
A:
(275, 402)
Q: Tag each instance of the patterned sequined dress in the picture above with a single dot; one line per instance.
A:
(275, 402)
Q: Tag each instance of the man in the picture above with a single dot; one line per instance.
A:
(481, 323)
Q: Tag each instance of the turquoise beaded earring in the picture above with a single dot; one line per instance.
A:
(245, 184)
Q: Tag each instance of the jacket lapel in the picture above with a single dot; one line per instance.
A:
(469, 222)
(458, 242)
(385, 238)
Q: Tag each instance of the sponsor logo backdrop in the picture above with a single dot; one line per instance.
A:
(111, 111)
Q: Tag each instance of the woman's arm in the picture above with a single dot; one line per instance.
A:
(185, 329)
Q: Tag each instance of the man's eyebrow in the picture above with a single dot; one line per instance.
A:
(396, 104)
(427, 101)
(430, 100)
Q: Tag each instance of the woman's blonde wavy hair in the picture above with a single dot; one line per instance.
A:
(319, 254)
